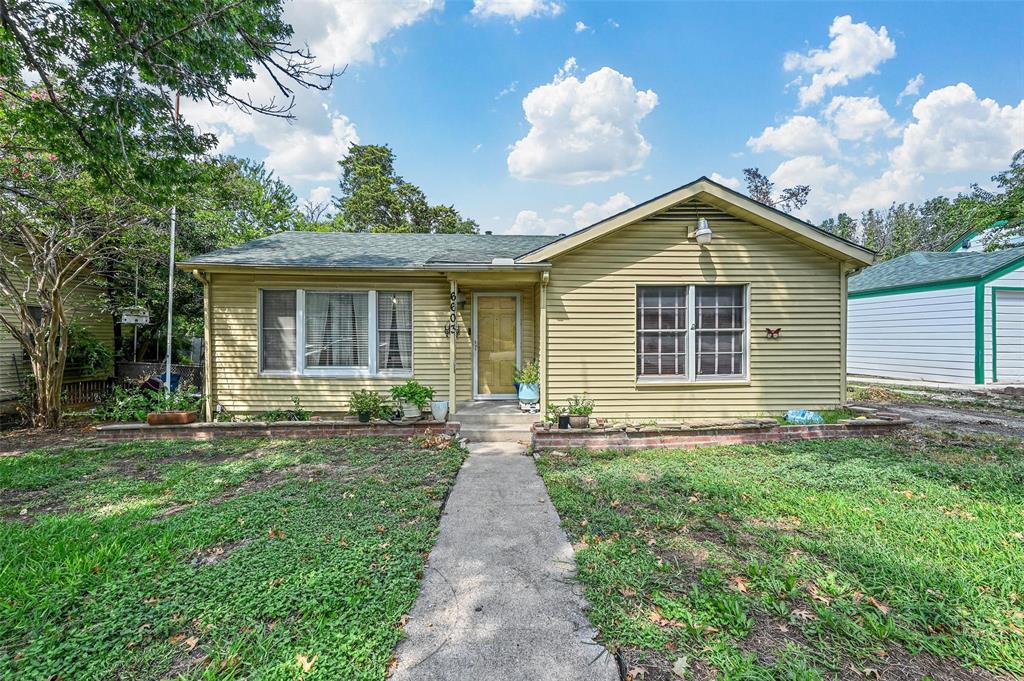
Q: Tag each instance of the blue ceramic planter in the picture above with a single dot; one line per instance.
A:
(529, 392)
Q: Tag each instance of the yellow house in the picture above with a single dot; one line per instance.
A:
(643, 312)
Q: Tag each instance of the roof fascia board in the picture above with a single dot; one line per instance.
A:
(722, 198)
(1005, 269)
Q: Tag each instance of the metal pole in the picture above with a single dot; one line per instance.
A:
(135, 342)
(170, 305)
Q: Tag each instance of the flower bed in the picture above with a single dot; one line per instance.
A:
(277, 430)
(683, 437)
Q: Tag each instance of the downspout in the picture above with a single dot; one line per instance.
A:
(542, 351)
(844, 284)
(204, 279)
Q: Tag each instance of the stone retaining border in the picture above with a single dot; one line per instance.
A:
(279, 430)
(690, 438)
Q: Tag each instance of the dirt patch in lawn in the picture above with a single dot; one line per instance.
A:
(957, 419)
(22, 505)
(211, 555)
(17, 441)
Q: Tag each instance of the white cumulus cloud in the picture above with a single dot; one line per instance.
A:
(530, 222)
(856, 118)
(307, 148)
(342, 32)
(798, 135)
(515, 10)
(592, 212)
(580, 27)
(583, 130)
(829, 183)
(730, 182)
(911, 89)
(856, 50)
(955, 130)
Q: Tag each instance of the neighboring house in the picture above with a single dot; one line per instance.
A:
(976, 240)
(86, 307)
(631, 311)
(947, 317)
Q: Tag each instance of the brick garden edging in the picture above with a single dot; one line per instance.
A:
(279, 430)
(690, 438)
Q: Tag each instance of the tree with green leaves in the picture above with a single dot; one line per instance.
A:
(762, 190)
(374, 198)
(843, 226)
(91, 143)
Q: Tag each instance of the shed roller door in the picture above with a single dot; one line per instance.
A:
(1010, 336)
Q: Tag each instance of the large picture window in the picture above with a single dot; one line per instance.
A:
(340, 333)
(691, 333)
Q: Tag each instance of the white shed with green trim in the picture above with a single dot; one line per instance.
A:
(944, 317)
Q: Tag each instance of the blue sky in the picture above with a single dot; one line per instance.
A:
(545, 115)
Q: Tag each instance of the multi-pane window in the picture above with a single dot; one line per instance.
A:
(339, 332)
(720, 330)
(691, 332)
(661, 331)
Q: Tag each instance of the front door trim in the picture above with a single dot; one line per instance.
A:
(519, 337)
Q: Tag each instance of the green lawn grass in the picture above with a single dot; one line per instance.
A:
(222, 560)
(890, 558)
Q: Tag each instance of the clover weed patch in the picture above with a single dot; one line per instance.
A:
(890, 558)
(221, 560)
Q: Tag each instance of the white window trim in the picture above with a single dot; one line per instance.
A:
(691, 378)
(370, 371)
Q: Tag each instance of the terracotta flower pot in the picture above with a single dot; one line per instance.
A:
(170, 418)
(579, 421)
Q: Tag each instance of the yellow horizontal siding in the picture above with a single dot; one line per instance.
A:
(239, 387)
(592, 318)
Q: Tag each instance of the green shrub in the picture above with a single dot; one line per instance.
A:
(552, 411)
(412, 391)
(88, 354)
(528, 374)
(133, 403)
(369, 402)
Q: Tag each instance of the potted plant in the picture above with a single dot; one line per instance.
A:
(366, 405)
(580, 409)
(413, 398)
(555, 413)
(177, 408)
(527, 379)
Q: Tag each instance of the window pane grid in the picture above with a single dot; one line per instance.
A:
(664, 340)
(661, 337)
(337, 334)
(278, 331)
(721, 321)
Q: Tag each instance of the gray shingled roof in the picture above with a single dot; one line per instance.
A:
(371, 251)
(922, 268)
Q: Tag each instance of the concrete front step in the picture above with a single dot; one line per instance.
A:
(497, 420)
(495, 433)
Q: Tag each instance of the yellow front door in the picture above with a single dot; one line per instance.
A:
(495, 345)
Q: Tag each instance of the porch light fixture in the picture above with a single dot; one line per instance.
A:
(703, 233)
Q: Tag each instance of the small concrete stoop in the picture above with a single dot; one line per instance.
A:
(495, 422)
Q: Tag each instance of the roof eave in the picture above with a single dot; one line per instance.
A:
(441, 267)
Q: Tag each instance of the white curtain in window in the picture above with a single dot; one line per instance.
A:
(337, 329)
(394, 330)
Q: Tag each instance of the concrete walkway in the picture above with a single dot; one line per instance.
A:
(499, 598)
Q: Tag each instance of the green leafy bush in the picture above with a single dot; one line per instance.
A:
(413, 391)
(133, 403)
(552, 411)
(528, 374)
(88, 354)
(369, 402)
(579, 405)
